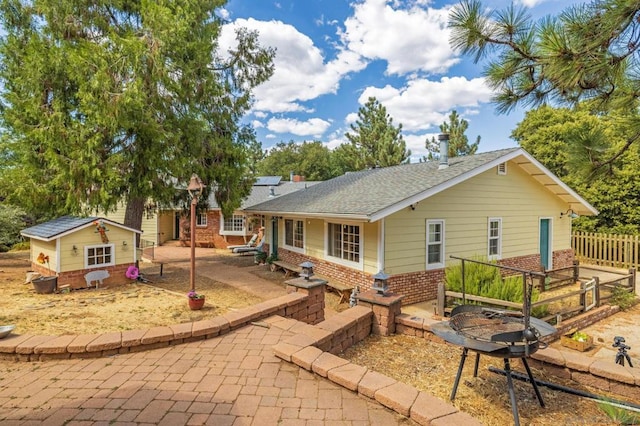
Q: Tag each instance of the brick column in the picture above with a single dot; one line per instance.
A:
(385, 310)
(314, 288)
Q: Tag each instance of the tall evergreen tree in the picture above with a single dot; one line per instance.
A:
(588, 53)
(458, 141)
(375, 141)
(312, 160)
(114, 101)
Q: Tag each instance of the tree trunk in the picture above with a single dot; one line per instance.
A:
(133, 215)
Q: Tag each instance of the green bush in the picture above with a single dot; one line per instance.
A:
(622, 298)
(486, 281)
(24, 245)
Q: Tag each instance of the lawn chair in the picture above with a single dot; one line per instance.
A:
(249, 250)
(252, 243)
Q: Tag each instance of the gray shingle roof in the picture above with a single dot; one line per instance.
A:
(260, 193)
(367, 192)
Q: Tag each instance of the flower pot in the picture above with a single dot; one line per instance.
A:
(45, 285)
(196, 304)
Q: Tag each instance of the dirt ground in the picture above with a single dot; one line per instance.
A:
(426, 365)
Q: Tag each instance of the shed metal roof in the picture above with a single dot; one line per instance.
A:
(64, 225)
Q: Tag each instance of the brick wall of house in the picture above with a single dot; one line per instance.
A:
(209, 236)
(415, 286)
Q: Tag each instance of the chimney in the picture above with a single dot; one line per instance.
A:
(297, 178)
(444, 150)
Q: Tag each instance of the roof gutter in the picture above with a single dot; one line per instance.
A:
(358, 217)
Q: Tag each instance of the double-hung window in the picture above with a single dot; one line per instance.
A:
(343, 242)
(494, 238)
(98, 256)
(294, 234)
(435, 243)
(201, 219)
(234, 224)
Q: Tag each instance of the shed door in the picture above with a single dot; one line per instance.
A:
(545, 243)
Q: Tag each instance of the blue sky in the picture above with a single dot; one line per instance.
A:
(331, 55)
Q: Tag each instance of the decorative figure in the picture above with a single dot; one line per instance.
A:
(132, 273)
(102, 230)
(352, 299)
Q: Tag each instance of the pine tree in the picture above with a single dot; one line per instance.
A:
(375, 141)
(458, 141)
(119, 101)
(588, 53)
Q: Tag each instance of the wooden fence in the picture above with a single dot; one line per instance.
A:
(617, 251)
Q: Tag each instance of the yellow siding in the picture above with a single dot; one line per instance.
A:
(314, 238)
(516, 198)
(165, 226)
(48, 249)
(149, 225)
(370, 242)
(71, 260)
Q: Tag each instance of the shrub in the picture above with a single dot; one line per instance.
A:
(24, 245)
(485, 280)
(11, 223)
(623, 298)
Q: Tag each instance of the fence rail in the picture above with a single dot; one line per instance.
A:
(617, 251)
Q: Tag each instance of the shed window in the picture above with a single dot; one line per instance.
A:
(344, 241)
(495, 238)
(97, 256)
(435, 244)
(294, 233)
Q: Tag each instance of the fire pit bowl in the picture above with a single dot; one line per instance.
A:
(5, 330)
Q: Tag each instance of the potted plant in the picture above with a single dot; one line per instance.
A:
(45, 284)
(196, 301)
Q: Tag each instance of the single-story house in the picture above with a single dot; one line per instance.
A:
(408, 220)
(161, 225)
(70, 247)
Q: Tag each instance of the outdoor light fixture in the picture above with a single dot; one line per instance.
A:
(307, 270)
(380, 283)
(124, 243)
(195, 190)
(570, 213)
(74, 249)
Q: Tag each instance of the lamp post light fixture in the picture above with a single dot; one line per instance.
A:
(380, 283)
(195, 190)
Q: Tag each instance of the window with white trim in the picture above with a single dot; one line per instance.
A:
(344, 241)
(294, 233)
(435, 244)
(495, 238)
(100, 255)
(201, 219)
(234, 223)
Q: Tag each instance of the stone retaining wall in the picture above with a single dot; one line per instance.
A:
(596, 372)
(29, 347)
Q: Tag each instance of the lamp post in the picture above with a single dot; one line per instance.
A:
(195, 190)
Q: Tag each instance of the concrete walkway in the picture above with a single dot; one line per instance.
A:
(234, 379)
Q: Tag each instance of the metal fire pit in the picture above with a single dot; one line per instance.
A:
(497, 333)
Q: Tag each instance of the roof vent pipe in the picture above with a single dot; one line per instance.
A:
(272, 191)
(291, 176)
(444, 150)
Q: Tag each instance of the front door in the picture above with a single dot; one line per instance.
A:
(176, 226)
(274, 237)
(545, 243)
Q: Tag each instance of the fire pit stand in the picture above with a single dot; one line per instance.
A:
(498, 333)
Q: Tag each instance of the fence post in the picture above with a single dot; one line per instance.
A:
(632, 280)
(597, 291)
(576, 270)
(440, 300)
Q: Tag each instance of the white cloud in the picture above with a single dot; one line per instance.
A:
(422, 103)
(301, 72)
(223, 13)
(531, 3)
(412, 39)
(313, 127)
(257, 124)
(351, 118)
